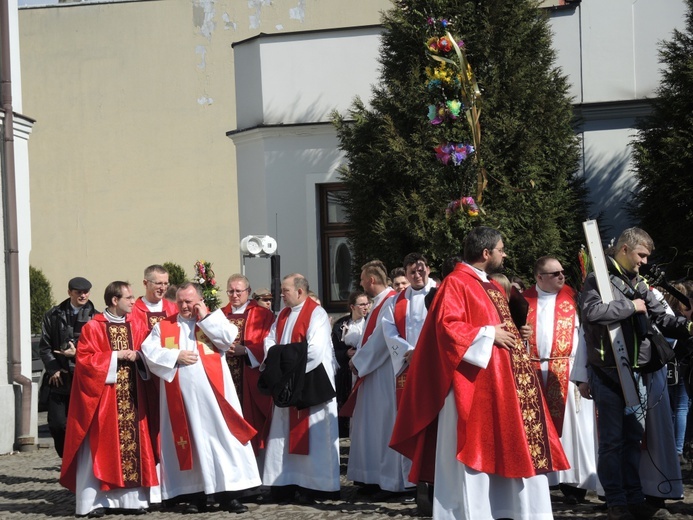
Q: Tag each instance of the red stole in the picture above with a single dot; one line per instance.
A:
(298, 419)
(556, 387)
(209, 356)
(348, 407)
(401, 305)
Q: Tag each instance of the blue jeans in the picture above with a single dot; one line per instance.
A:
(679, 412)
(620, 435)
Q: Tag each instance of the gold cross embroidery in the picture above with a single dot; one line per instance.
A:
(170, 342)
(182, 442)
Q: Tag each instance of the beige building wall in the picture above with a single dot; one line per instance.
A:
(130, 164)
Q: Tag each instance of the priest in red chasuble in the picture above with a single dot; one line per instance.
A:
(254, 323)
(149, 310)
(153, 307)
(473, 403)
(108, 460)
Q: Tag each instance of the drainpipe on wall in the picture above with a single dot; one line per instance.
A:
(24, 441)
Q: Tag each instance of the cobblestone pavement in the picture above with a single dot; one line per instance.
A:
(29, 490)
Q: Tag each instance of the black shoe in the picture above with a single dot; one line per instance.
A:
(193, 508)
(99, 512)
(140, 511)
(234, 506)
(368, 489)
(619, 513)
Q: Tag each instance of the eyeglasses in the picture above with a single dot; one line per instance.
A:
(554, 274)
(235, 291)
(159, 284)
(501, 250)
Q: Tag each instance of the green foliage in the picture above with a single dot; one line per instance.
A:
(398, 191)
(663, 157)
(176, 273)
(41, 297)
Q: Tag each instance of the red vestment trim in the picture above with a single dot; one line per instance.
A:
(556, 386)
(298, 419)
(257, 407)
(347, 409)
(400, 313)
(170, 331)
(209, 357)
(94, 412)
(526, 383)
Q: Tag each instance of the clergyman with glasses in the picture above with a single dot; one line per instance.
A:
(151, 308)
(254, 322)
(472, 415)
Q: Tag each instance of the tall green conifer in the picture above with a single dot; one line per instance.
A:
(398, 190)
(663, 157)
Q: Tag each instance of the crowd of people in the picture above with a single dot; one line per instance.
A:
(484, 392)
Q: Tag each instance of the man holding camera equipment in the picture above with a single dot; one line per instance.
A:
(60, 331)
(636, 310)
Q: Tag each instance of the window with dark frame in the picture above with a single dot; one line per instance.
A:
(335, 249)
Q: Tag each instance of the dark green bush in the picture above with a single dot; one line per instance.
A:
(176, 273)
(41, 297)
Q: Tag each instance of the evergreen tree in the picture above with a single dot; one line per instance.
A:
(398, 189)
(41, 297)
(663, 157)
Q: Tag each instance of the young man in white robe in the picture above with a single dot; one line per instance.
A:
(205, 442)
(302, 446)
(372, 464)
(403, 317)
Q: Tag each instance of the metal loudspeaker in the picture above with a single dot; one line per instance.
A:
(258, 245)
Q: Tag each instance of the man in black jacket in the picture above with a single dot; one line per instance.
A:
(60, 332)
(634, 308)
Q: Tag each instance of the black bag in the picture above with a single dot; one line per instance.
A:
(661, 351)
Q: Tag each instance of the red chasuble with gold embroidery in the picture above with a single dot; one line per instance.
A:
(253, 327)
(113, 416)
(503, 427)
(556, 386)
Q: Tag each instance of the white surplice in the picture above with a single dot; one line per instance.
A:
(371, 460)
(319, 470)
(398, 345)
(416, 315)
(220, 461)
(579, 436)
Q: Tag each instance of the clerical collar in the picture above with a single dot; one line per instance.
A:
(482, 274)
(153, 307)
(541, 292)
(298, 307)
(241, 309)
(112, 317)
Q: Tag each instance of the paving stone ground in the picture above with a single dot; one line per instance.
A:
(29, 490)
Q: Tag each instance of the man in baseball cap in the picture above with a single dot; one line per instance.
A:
(60, 331)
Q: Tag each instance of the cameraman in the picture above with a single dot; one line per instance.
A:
(59, 336)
